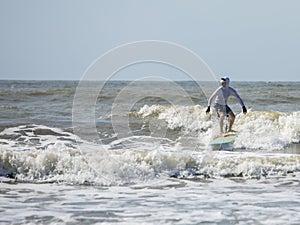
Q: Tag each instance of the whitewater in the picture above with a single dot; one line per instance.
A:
(163, 171)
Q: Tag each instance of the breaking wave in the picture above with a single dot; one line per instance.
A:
(36, 153)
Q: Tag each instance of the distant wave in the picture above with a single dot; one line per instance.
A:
(37, 92)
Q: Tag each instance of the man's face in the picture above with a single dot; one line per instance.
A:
(224, 84)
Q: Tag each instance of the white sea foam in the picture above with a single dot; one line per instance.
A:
(58, 163)
(191, 118)
(42, 154)
(268, 130)
(34, 137)
(172, 201)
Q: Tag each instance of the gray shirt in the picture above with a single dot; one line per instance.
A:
(222, 94)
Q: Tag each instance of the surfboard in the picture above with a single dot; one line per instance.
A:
(223, 142)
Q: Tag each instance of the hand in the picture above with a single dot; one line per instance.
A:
(244, 109)
(208, 109)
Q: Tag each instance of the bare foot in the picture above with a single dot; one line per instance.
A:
(231, 131)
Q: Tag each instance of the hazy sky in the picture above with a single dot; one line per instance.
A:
(59, 39)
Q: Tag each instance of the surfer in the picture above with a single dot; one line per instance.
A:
(221, 96)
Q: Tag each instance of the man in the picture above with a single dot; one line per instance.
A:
(221, 96)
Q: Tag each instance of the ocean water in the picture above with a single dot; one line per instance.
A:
(143, 155)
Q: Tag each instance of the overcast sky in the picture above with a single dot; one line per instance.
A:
(58, 39)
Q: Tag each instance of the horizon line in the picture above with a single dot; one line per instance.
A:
(129, 80)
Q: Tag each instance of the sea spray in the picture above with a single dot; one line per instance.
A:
(267, 130)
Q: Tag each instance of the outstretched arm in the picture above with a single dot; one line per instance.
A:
(235, 94)
(213, 96)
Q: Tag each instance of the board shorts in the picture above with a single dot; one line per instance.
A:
(222, 108)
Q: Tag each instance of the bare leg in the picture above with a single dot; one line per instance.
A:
(221, 121)
(231, 121)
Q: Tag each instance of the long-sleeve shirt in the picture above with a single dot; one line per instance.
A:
(222, 94)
